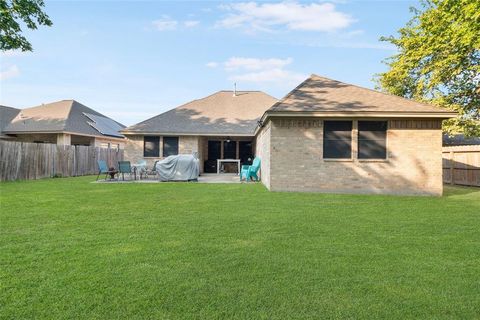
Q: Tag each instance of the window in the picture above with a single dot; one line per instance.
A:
(170, 146)
(337, 140)
(230, 149)
(105, 145)
(151, 146)
(372, 139)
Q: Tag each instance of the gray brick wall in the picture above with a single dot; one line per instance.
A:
(295, 162)
(134, 148)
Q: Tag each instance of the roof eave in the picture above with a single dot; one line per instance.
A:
(357, 114)
(209, 134)
(66, 132)
(374, 114)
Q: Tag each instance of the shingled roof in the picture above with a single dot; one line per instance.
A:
(322, 95)
(7, 114)
(221, 113)
(61, 116)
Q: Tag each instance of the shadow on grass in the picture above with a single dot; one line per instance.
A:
(449, 190)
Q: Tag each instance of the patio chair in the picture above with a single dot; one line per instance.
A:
(125, 167)
(250, 172)
(152, 171)
(103, 168)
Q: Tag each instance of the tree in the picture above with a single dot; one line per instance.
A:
(439, 61)
(14, 12)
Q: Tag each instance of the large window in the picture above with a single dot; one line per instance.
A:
(337, 140)
(170, 146)
(151, 146)
(372, 139)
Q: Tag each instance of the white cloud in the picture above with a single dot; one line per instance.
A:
(10, 72)
(289, 14)
(191, 23)
(212, 64)
(256, 70)
(270, 75)
(236, 63)
(165, 23)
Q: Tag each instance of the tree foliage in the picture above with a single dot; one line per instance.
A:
(13, 13)
(439, 61)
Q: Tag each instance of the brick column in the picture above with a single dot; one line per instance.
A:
(355, 139)
(160, 141)
(64, 139)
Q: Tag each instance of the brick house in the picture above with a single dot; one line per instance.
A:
(219, 126)
(65, 122)
(324, 136)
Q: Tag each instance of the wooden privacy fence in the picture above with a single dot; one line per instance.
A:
(26, 161)
(461, 165)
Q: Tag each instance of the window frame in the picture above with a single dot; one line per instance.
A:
(157, 138)
(324, 148)
(385, 140)
(164, 144)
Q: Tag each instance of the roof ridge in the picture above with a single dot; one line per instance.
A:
(169, 110)
(10, 107)
(68, 119)
(290, 93)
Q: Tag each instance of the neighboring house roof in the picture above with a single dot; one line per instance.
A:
(329, 97)
(460, 140)
(6, 115)
(64, 116)
(221, 113)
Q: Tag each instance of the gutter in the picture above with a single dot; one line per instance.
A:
(153, 133)
(65, 132)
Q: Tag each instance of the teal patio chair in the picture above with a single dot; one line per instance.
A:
(125, 167)
(250, 172)
(103, 168)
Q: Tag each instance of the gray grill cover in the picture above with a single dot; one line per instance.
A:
(182, 167)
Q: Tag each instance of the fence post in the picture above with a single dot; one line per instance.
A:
(452, 167)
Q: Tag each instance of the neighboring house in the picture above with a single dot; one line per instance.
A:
(7, 114)
(65, 122)
(460, 140)
(220, 126)
(324, 136)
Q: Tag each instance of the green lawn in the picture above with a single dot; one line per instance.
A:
(72, 249)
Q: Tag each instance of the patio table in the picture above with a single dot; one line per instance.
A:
(219, 161)
(136, 167)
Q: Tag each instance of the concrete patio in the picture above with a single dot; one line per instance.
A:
(204, 178)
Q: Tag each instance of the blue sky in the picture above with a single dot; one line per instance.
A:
(134, 59)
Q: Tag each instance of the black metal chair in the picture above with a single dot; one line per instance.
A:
(153, 171)
(103, 168)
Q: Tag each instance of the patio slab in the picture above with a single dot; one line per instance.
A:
(204, 178)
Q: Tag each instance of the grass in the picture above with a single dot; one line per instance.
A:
(72, 249)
